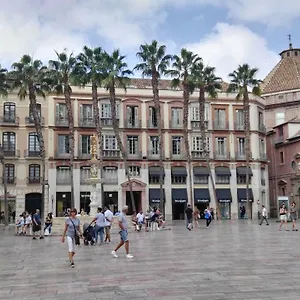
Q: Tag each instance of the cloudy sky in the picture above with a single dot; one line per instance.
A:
(224, 33)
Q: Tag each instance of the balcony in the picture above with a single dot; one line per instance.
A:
(174, 125)
(152, 155)
(263, 182)
(199, 155)
(151, 124)
(262, 128)
(60, 155)
(279, 139)
(133, 124)
(137, 155)
(33, 180)
(107, 122)
(180, 156)
(84, 155)
(196, 125)
(239, 126)
(61, 122)
(111, 154)
(29, 121)
(11, 153)
(63, 180)
(263, 156)
(86, 122)
(223, 156)
(242, 156)
(9, 180)
(32, 153)
(110, 180)
(217, 125)
(10, 121)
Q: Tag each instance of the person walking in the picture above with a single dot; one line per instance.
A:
(189, 217)
(207, 216)
(37, 225)
(99, 228)
(73, 232)
(123, 225)
(264, 215)
(294, 216)
(108, 222)
(48, 224)
(283, 217)
(196, 214)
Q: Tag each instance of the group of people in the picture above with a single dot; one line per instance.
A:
(284, 214)
(195, 215)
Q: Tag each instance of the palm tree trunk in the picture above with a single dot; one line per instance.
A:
(247, 147)
(201, 100)
(39, 131)
(112, 94)
(160, 137)
(67, 93)
(6, 222)
(186, 98)
(96, 114)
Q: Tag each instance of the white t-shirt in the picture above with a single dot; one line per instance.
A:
(140, 217)
(108, 216)
(28, 220)
(264, 212)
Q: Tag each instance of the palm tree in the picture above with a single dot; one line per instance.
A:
(182, 71)
(29, 77)
(4, 87)
(206, 81)
(61, 75)
(242, 79)
(116, 74)
(155, 63)
(89, 70)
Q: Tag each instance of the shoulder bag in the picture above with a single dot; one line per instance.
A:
(77, 239)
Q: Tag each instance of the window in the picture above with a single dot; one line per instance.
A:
(109, 142)
(221, 146)
(263, 177)
(153, 179)
(176, 145)
(132, 116)
(84, 173)
(33, 143)
(110, 173)
(222, 179)
(154, 145)
(106, 111)
(260, 118)
(132, 144)
(85, 144)
(39, 111)
(134, 171)
(9, 141)
(9, 173)
(281, 155)
(9, 112)
(241, 179)
(34, 173)
(280, 118)
(195, 113)
(63, 144)
(220, 118)
(280, 131)
(197, 144)
(86, 112)
(61, 111)
(241, 146)
(178, 179)
(293, 165)
(240, 123)
(200, 179)
(153, 116)
(176, 117)
(262, 146)
(283, 191)
(63, 175)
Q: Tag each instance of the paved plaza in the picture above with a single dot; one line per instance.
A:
(231, 260)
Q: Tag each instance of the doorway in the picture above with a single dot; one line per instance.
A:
(111, 201)
(63, 202)
(225, 210)
(137, 195)
(178, 210)
(33, 201)
(202, 206)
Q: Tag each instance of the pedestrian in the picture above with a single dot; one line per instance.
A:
(37, 225)
(189, 217)
(48, 224)
(73, 233)
(123, 225)
(207, 216)
(140, 220)
(283, 217)
(264, 215)
(108, 222)
(99, 228)
(294, 216)
(196, 214)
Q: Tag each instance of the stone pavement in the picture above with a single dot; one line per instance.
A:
(231, 260)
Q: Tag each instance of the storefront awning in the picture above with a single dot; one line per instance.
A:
(243, 170)
(154, 195)
(179, 195)
(241, 194)
(222, 171)
(201, 171)
(201, 195)
(224, 195)
(155, 171)
(179, 171)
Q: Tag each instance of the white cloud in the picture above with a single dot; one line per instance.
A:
(230, 45)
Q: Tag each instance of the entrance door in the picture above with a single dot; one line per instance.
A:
(202, 206)
(178, 210)
(33, 201)
(225, 210)
(137, 200)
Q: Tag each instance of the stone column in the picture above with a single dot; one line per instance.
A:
(168, 194)
(76, 177)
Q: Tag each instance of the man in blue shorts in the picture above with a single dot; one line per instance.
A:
(123, 225)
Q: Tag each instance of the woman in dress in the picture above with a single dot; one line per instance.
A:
(72, 231)
(48, 224)
(293, 214)
(196, 214)
(283, 217)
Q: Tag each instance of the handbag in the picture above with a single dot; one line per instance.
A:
(77, 238)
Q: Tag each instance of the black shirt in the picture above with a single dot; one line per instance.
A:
(189, 213)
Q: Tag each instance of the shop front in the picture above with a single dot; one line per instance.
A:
(179, 202)
(224, 198)
(154, 198)
(201, 199)
(85, 202)
(245, 209)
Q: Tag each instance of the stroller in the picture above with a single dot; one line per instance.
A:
(88, 234)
